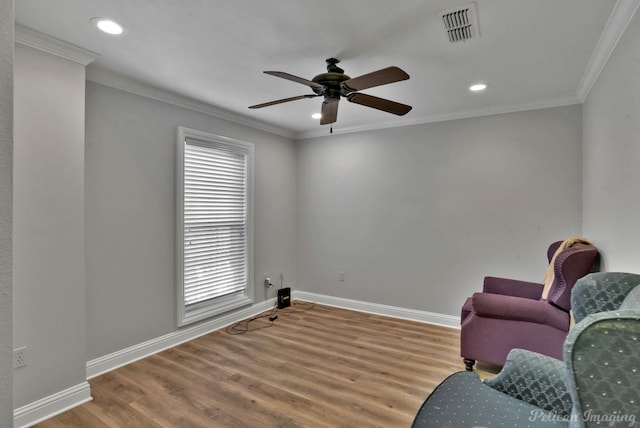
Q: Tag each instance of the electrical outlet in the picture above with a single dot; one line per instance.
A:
(267, 280)
(19, 357)
(341, 275)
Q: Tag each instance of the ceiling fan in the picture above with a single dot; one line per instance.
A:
(335, 84)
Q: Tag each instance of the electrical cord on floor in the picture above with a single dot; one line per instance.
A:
(238, 329)
(293, 309)
(242, 327)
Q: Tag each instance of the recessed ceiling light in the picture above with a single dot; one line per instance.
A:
(108, 26)
(478, 87)
(316, 116)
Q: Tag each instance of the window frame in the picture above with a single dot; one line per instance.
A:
(187, 314)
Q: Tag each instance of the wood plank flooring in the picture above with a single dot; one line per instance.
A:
(323, 367)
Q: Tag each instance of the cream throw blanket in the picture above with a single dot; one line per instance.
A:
(549, 274)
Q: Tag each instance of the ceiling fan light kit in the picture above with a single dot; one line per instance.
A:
(334, 84)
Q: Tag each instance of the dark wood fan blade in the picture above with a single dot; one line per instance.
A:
(375, 78)
(284, 100)
(379, 103)
(297, 79)
(329, 112)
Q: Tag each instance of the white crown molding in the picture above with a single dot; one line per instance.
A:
(559, 102)
(32, 38)
(52, 405)
(620, 17)
(378, 309)
(125, 356)
(114, 80)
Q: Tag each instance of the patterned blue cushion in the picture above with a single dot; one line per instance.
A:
(599, 292)
(602, 355)
(536, 379)
(463, 401)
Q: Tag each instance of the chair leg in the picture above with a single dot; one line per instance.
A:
(468, 363)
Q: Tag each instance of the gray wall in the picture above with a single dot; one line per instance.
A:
(130, 213)
(417, 216)
(612, 156)
(6, 212)
(49, 273)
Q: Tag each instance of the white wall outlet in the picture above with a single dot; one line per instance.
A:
(341, 275)
(267, 281)
(19, 357)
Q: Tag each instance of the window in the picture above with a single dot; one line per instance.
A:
(214, 225)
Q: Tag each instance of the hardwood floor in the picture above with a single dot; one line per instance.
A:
(324, 367)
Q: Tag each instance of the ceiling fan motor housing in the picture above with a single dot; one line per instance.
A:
(331, 80)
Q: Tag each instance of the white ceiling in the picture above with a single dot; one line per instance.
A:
(531, 53)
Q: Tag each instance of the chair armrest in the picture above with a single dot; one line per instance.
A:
(535, 379)
(600, 292)
(603, 364)
(512, 287)
(519, 309)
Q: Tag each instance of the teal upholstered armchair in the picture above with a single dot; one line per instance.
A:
(597, 384)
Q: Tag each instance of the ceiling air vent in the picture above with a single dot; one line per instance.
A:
(461, 23)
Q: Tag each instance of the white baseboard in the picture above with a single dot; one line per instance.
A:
(52, 405)
(125, 356)
(379, 309)
(64, 400)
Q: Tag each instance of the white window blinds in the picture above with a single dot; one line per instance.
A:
(215, 228)
(215, 224)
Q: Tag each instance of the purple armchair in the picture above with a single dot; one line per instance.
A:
(513, 314)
